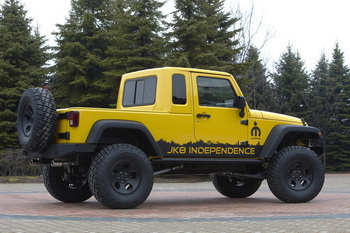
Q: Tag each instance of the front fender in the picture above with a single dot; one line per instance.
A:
(280, 131)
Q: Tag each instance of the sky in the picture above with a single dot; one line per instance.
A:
(309, 26)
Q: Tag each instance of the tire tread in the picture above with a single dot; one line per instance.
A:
(278, 187)
(61, 190)
(98, 184)
(44, 110)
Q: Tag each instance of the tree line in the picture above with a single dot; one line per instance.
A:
(103, 39)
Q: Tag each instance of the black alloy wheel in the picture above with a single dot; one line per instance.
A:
(121, 176)
(295, 174)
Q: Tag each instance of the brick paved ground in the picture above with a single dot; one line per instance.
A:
(178, 207)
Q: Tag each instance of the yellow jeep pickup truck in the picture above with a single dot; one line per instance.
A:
(168, 120)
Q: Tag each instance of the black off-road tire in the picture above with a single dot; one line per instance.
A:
(62, 190)
(295, 174)
(121, 176)
(36, 119)
(235, 188)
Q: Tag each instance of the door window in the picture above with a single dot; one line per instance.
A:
(215, 92)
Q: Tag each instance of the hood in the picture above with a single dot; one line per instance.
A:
(276, 117)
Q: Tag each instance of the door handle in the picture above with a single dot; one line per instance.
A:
(199, 115)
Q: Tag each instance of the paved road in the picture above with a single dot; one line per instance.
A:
(178, 207)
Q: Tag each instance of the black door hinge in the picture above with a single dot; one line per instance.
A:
(65, 135)
(244, 122)
(63, 116)
(244, 143)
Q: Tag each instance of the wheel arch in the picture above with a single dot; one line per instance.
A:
(121, 131)
(287, 134)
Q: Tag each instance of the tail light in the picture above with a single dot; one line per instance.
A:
(74, 118)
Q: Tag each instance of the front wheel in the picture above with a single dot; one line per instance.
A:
(295, 174)
(57, 185)
(121, 176)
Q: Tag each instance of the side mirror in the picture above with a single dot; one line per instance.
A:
(241, 103)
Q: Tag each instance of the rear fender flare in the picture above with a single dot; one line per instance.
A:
(101, 126)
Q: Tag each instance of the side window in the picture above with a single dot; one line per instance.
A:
(215, 92)
(179, 89)
(141, 91)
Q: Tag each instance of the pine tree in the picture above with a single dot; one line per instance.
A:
(290, 84)
(22, 60)
(136, 38)
(339, 145)
(188, 34)
(256, 88)
(202, 36)
(80, 78)
(322, 103)
(143, 32)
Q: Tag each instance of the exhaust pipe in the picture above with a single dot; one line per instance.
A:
(63, 164)
(37, 163)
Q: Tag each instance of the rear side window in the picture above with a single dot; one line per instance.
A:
(179, 89)
(140, 91)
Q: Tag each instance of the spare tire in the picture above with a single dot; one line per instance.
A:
(36, 119)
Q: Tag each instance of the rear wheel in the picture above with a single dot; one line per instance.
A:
(296, 174)
(235, 188)
(55, 180)
(121, 176)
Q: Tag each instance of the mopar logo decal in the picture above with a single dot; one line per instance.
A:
(256, 131)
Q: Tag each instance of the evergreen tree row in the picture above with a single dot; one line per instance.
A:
(321, 97)
(22, 65)
(101, 40)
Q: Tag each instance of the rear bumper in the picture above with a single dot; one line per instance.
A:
(58, 151)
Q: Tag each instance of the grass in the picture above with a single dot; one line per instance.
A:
(158, 179)
(21, 179)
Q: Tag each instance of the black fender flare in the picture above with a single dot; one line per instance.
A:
(279, 131)
(101, 126)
